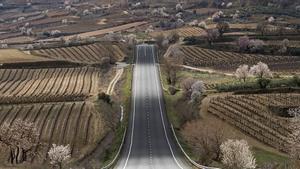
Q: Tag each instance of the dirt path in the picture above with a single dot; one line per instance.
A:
(205, 70)
(111, 86)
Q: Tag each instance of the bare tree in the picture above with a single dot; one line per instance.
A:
(242, 72)
(243, 43)
(212, 35)
(236, 154)
(20, 138)
(223, 27)
(205, 137)
(186, 86)
(173, 37)
(59, 155)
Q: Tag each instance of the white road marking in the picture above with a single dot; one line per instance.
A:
(160, 108)
(133, 116)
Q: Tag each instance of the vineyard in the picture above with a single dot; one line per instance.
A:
(74, 123)
(57, 89)
(199, 57)
(88, 54)
(40, 85)
(183, 32)
(253, 115)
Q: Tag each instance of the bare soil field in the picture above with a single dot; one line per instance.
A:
(90, 54)
(76, 123)
(17, 56)
(48, 85)
(183, 32)
(253, 115)
(108, 30)
(199, 57)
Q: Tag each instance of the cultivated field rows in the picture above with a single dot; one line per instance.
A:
(90, 54)
(48, 83)
(183, 32)
(199, 57)
(74, 123)
(252, 114)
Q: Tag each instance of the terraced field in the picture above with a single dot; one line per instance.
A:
(74, 123)
(89, 54)
(199, 57)
(252, 114)
(48, 84)
(183, 32)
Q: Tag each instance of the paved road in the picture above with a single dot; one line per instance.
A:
(149, 143)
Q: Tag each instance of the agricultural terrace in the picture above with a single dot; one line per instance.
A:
(262, 116)
(89, 54)
(17, 56)
(200, 57)
(183, 32)
(53, 84)
(76, 123)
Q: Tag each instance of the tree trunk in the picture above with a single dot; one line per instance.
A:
(17, 155)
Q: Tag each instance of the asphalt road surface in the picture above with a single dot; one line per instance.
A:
(149, 143)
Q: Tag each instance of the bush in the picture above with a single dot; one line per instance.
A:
(172, 90)
(263, 82)
(105, 97)
(296, 80)
(237, 86)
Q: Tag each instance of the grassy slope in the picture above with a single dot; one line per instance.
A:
(126, 100)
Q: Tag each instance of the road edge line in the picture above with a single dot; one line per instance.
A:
(185, 154)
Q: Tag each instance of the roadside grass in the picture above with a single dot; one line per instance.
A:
(209, 78)
(111, 152)
(263, 156)
(262, 153)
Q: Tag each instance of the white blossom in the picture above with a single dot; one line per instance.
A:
(237, 154)
(261, 70)
(202, 24)
(59, 154)
(229, 5)
(55, 32)
(271, 19)
(242, 72)
(179, 7)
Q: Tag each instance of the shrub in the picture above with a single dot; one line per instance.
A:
(263, 82)
(172, 90)
(105, 97)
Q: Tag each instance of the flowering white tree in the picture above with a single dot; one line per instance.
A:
(179, 7)
(197, 91)
(59, 154)
(236, 154)
(20, 138)
(202, 25)
(256, 45)
(242, 72)
(261, 70)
